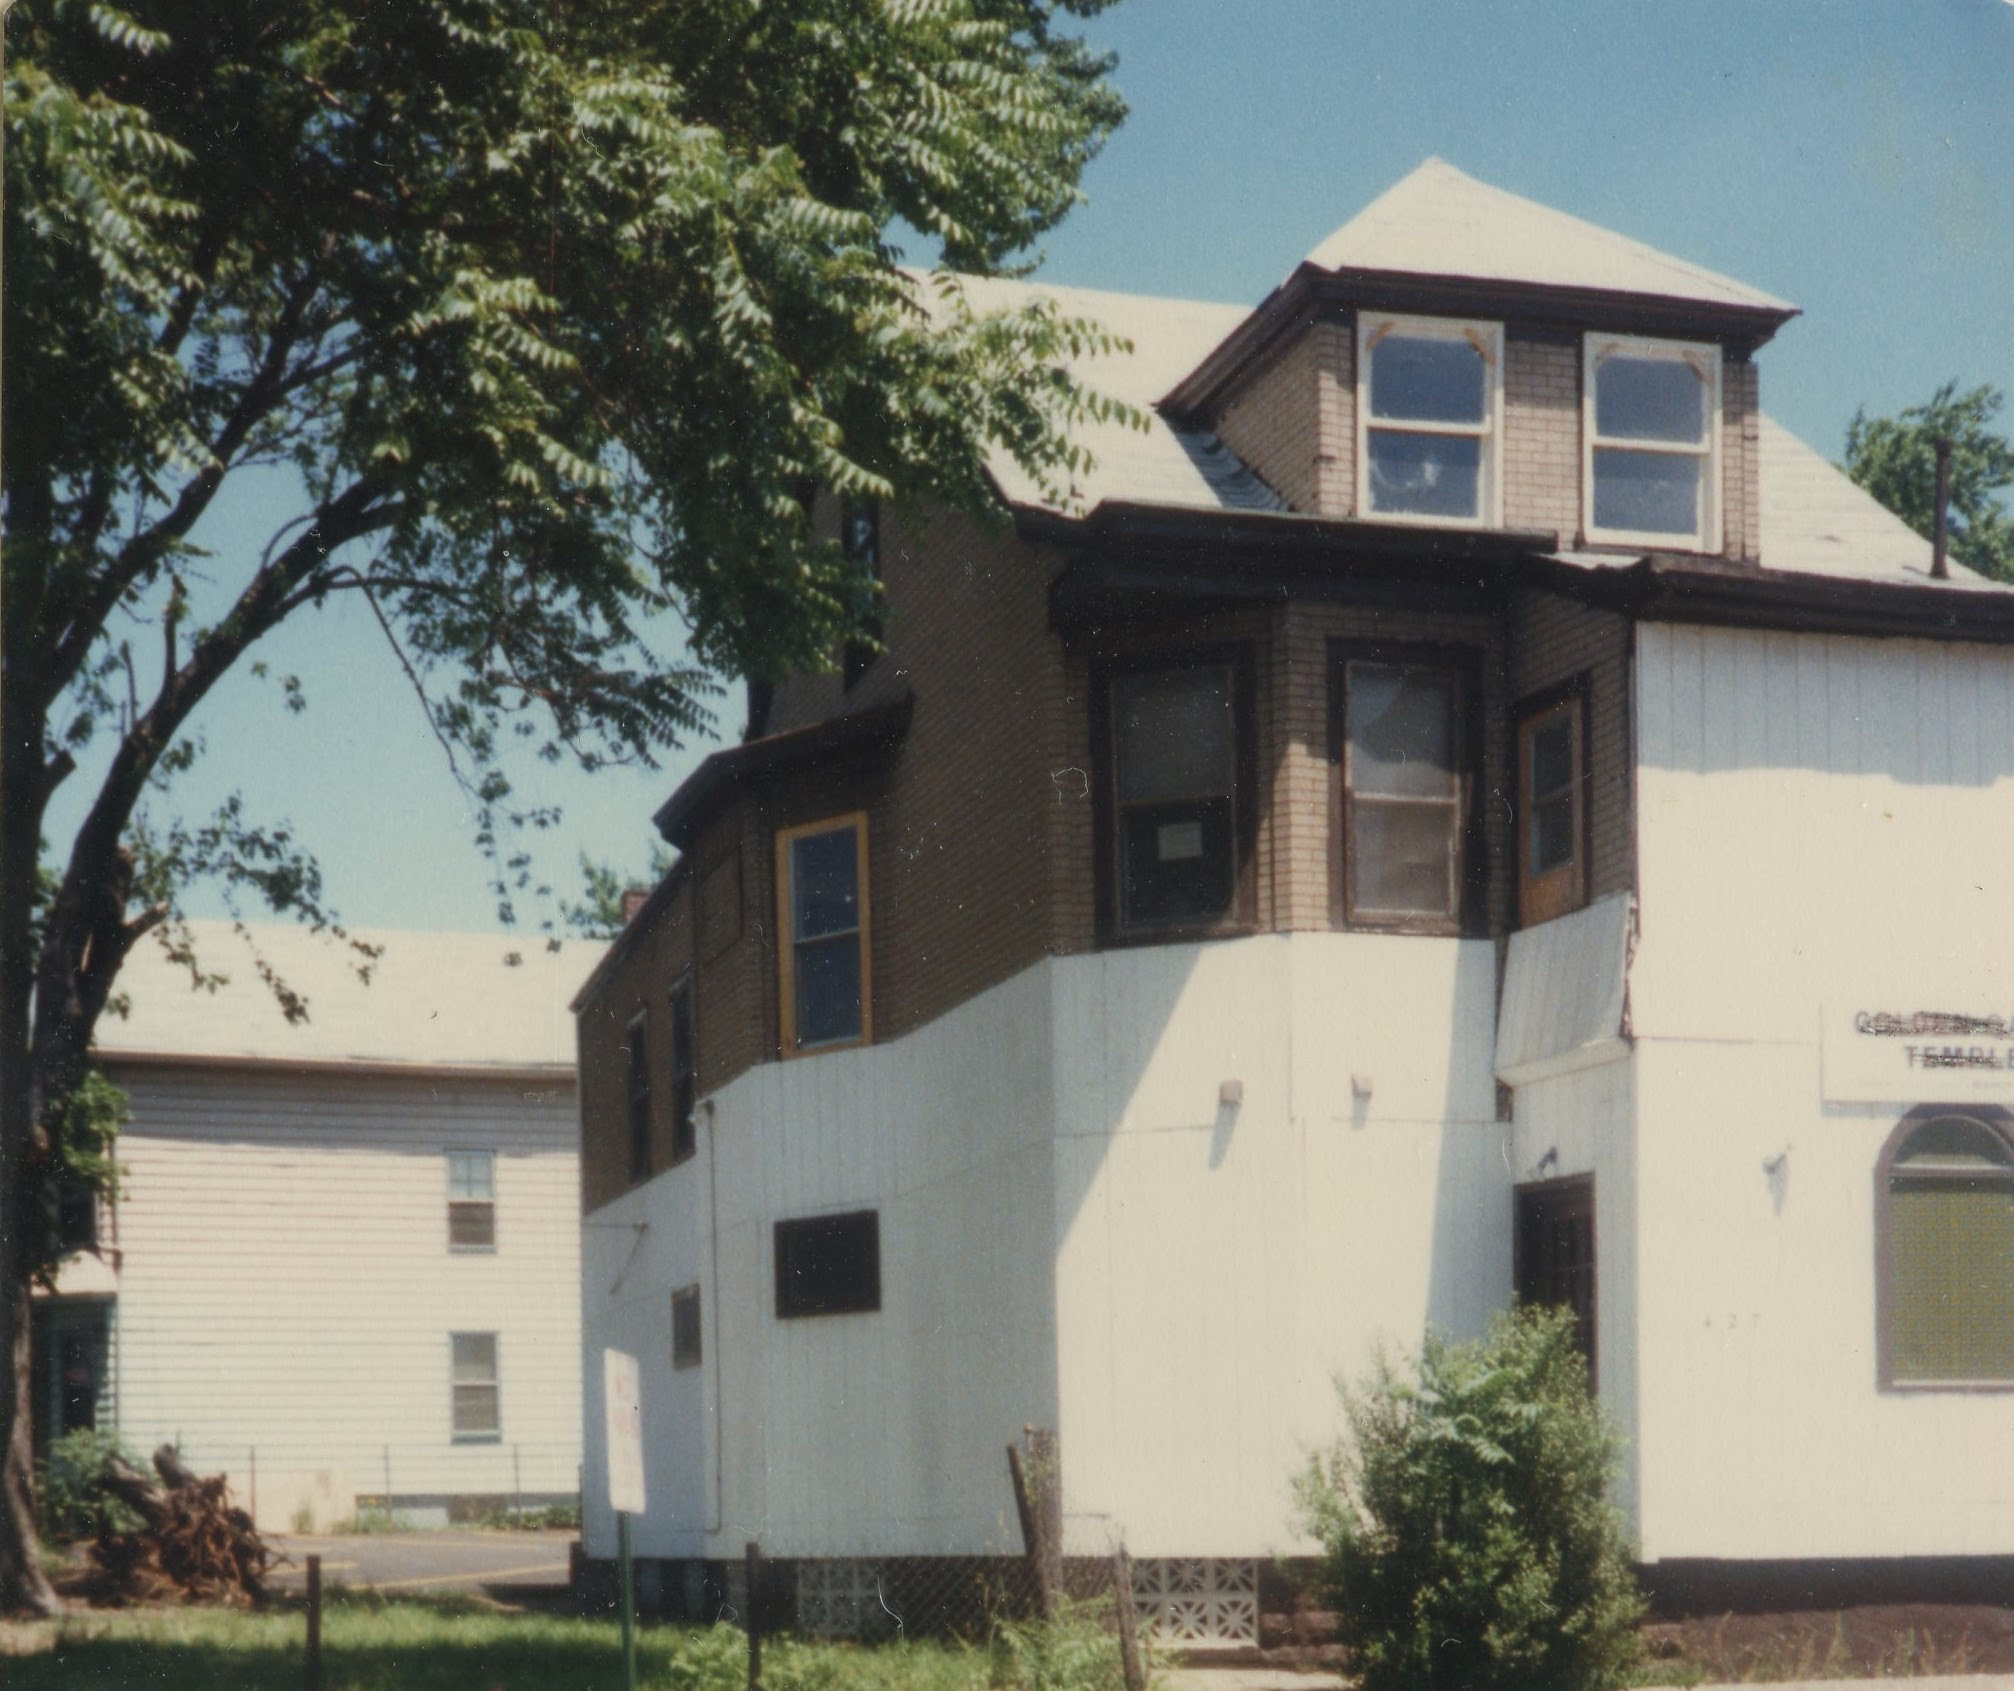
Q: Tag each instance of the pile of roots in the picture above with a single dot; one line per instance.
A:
(192, 1545)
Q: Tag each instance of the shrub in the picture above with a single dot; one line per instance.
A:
(1469, 1542)
(68, 1502)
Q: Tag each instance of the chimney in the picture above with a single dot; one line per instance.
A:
(1939, 570)
(633, 900)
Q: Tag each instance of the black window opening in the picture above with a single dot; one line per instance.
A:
(1552, 808)
(1554, 1252)
(684, 1072)
(639, 1101)
(1406, 743)
(76, 1214)
(828, 1264)
(685, 1339)
(1947, 1252)
(860, 538)
(1174, 759)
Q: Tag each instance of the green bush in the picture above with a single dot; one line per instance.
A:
(68, 1503)
(1077, 1651)
(1469, 1541)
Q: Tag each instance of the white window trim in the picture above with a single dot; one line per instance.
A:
(1706, 353)
(452, 1152)
(1373, 326)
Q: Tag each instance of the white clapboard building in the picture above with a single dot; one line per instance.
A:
(1463, 806)
(342, 1263)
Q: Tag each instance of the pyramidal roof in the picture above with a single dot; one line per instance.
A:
(1439, 222)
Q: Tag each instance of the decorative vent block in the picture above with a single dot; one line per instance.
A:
(1198, 1600)
(840, 1597)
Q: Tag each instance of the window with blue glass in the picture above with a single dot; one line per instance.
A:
(1428, 404)
(1652, 473)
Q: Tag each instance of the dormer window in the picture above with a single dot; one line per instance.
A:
(1653, 453)
(1429, 410)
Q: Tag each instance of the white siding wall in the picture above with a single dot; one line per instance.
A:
(844, 1434)
(1818, 818)
(1076, 1234)
(286, 1284)
(1218, 1267)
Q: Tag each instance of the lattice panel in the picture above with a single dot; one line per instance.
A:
(838, 1597)
(1199, 1600)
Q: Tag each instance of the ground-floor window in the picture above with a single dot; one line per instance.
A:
(1946, 1250)
(478, 1411)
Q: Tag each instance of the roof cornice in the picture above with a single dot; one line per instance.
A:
(1311, 292)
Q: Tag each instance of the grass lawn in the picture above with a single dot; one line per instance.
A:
(404, 1646)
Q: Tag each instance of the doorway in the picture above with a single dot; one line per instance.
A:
(1554, 1251)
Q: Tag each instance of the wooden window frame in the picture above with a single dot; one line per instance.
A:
(683, 1356)
(1108, 874)
(792, 1307)
(488, 1246)
(786, 951)
(639, 1101)
(1998, 1121)
(1563, 890)
(1594, 347)
(1488, 339)
(1466, 665)
(682, 1016)
(493, 1434)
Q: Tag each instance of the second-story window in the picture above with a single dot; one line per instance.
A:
(824, 988)
(1174, 796)
(1652, 471)
(472, 1208)
(639, 1099)
(1551, 808)
(684, 1071)
(1428, 399)
(1406, 755)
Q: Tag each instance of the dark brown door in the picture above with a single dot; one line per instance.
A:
(1555, 1252)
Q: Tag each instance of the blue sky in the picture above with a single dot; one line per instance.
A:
(1853, 156)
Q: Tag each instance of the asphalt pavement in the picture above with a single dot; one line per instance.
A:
(423, 1562)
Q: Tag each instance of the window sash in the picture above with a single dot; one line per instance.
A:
(1703, 359)
(1487, 340)
(1547, 890)
(1365, 804)
(1146, 820)
(857, 939)
(475, 1391)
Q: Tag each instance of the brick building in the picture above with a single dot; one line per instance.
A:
(1460, 805)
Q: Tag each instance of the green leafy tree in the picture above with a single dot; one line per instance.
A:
(1470, 1545)
(1895, 459)
(556, 314)
(597, 914)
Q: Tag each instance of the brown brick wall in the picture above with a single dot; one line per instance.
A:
(1541, 440)
(1741, 451)
(1553, 640)
(1294, 422)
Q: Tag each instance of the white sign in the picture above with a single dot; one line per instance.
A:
(1904, 1054)
(622, 1403)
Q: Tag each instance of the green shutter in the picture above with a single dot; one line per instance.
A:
(1951, 1279)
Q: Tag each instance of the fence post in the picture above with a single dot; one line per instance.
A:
(516, 1489)
(754, 1616)
(1038, 1498)
(388, 1479)
(314, 1661)
(1129, 1622)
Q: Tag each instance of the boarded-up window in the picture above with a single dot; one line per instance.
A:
(828, 1264)
(1174, 796)
(472, 1211)
(478, 1414)
(1950, 1254)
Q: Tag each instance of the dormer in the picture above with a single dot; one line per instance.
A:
(1456, 357)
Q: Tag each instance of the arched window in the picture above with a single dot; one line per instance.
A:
(1946, 1251)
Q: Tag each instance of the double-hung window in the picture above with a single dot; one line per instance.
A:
(1653, 442)
(1552, 808)
(1429, 409)
(825, 989)
(1405, 756)
(638, 1041)
(477, 1411)
(1174, 763)
(1947, 1251)
(472, 1209)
